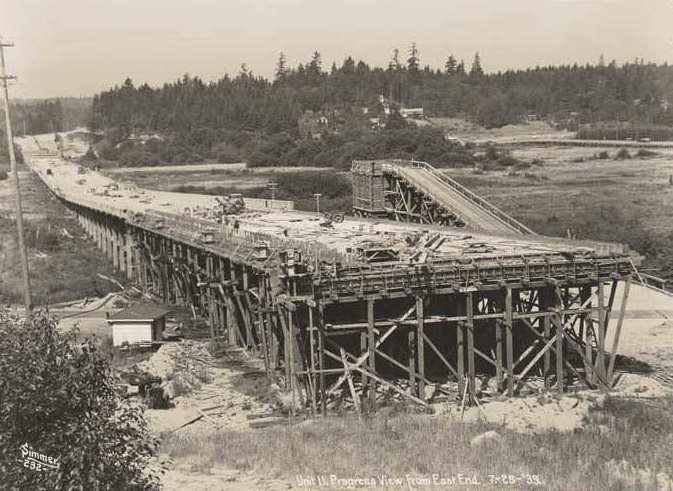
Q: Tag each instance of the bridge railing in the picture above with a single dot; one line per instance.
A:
(477, 200)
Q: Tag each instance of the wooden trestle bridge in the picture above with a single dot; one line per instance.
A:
(437, 313)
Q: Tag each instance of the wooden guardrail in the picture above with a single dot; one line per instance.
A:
(473, 198)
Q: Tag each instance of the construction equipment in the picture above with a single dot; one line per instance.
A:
(231, 205)
(334, 217)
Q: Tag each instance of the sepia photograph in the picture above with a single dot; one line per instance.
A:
(336, 244)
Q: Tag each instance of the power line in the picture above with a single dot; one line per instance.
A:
(15, 176)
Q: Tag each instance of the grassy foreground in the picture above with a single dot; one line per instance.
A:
(624, 445)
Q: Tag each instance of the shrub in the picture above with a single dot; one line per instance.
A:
(138, 158)
(623, 154)
(603, 155)
(509, 161)
(521, 165)
(61, 399)
(226, 154)
(3, 175)
(644, 152)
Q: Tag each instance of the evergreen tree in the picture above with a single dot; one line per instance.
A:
(395, 61)
(413, 61)
(451, 65)
(476, 71)
(281, 67)
(315, 65)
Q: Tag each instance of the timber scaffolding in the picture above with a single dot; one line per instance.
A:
(419, 312)
(414, 191)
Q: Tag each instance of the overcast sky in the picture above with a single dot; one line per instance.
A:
(80, 47)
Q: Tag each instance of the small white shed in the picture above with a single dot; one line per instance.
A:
(138, 324)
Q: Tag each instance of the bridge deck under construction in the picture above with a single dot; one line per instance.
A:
(365, 309)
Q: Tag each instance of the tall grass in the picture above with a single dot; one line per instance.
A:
(418, 445)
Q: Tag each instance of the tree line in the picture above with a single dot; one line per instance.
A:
(310, 115)
(638, 92)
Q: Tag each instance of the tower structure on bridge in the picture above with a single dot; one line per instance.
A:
(368, 199)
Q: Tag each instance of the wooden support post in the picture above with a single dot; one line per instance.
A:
(559, 341)
(230, 316)
(209, 294)
(618, 330)
(287, 352)
(509, 342)
(351, 387)
(611, 301)
(600, 357)
(371, 346)
(411, 349)
(321, 357)
(585, 297)
(420, 343)
(498, 354)
(545, 295)
(129, 242)
(290, 359)
(363, 347)
(469, 325)
(311, 374)
(460, 356)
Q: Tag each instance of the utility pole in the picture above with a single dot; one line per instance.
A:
(15, 176)
(272, 186)
(317, 201)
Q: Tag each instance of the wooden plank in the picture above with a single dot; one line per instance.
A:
(321, 357)
(498, 354)
(420, 338)
(559, 349)
(351, 386)
(509, 342)
(381, 381)
(291, 358)
(460, 355)
(440, 355)
(246, 320)
(546, 323)
(362, 359)
(286, 347)
(611, 301)
(589, 328)
(312, 375)
(600, 356)
(411, 350)
(618, 330)
(406, 369)
(545, 349)
(469, 309)
(265, 348)
(371, 344)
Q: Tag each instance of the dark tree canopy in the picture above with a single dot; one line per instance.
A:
(309, 116)
(633, 92)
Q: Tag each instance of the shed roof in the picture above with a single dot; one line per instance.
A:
(140, 311)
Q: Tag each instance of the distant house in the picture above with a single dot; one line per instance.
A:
(138, 324)
(412, 112)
